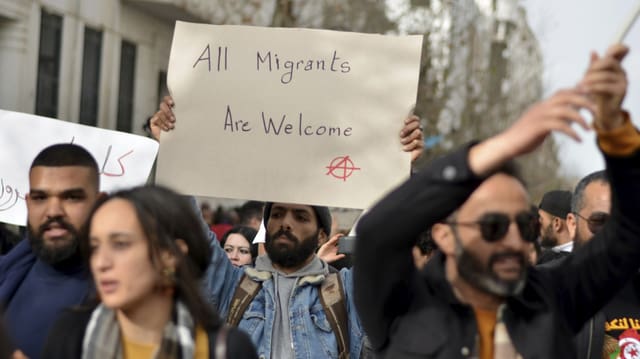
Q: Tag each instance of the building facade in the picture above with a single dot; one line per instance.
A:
(96, 62)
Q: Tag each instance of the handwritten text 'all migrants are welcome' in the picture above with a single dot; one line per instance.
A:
(266, 61)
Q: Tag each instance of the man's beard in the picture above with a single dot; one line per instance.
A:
(579, 239)
(288, 256)
(484, 278)
(54, 254)
(547, 240)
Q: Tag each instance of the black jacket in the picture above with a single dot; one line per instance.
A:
(410, 314)
(590, 340)
(66, 335)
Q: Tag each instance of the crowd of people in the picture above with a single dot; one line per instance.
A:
(453, 263)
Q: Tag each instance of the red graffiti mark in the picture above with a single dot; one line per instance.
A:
(122, 169)
(341, 168)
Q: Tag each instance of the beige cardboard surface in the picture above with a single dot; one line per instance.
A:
(288, 115)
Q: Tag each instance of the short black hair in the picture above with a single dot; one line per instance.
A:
(66, 154)
(425, 243)
(249, 210)
(511, 169)
(577, 200)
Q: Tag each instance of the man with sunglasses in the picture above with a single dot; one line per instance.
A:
(590, 207)
(479, 297)
(607, 332)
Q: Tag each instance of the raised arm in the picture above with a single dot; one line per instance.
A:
(390, 229)
(608, 260)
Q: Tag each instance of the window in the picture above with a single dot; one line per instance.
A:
(48, 65)
(125, 91)
(90, 77)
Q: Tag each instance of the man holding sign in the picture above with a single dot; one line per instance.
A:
(286, 312)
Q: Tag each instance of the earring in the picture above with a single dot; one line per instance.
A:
(169, 280)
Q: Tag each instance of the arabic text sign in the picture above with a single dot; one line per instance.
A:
(124, 159)
(292, 115)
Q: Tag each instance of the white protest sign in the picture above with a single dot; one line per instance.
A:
(289, 115)
(124, 160)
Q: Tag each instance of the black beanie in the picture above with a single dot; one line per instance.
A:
(557, 203)
(322, 214)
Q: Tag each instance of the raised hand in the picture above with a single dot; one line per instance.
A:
(556, 113)
(163, 119)
(328, 252)
(606, 83)
(411, 137)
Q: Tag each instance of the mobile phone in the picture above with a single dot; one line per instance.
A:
(346, 245)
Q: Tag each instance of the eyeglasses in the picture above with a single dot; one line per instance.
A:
(494, 226)
(596, 220)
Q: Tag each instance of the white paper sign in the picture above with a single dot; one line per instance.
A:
(124, 160)
(290, 115)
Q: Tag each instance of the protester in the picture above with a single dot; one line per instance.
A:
(44, 274)
(590, 208)
(554, 232)
(146, 260)
(290, 288)
(251, 214)
(207, 212)
(238, 247)
(480, 298)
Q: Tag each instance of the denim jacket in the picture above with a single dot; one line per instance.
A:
(311, 331)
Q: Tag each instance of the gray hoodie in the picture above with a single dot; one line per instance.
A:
(284, 284)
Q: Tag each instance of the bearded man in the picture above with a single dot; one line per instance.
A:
(480, 298)
(44, 273)
(286, 318)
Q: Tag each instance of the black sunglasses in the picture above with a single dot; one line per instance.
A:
(494, 226)
(596, 220)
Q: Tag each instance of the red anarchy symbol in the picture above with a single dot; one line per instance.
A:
(341, 168)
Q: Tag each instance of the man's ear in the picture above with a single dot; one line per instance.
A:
(571, 225)
(322, 237)
(557, 224)
(442, 234)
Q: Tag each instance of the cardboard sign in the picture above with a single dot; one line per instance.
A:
(124, 160)
(288, 115)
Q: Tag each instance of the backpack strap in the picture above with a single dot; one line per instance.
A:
(242, 297)
(332, 299)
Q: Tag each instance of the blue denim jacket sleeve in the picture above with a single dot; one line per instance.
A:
(221, 278)
(356, 338)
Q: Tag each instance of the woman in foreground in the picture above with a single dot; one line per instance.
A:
(146, 255)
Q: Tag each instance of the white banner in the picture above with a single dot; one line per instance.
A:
(124, 160)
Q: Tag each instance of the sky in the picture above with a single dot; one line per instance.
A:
(568, 30)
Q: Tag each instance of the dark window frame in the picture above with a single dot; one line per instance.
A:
(126, 86)
(90, 85)
(49, 54)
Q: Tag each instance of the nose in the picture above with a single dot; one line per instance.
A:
(54, 208)
(514, 238)
(100, 260)
(287, 221)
